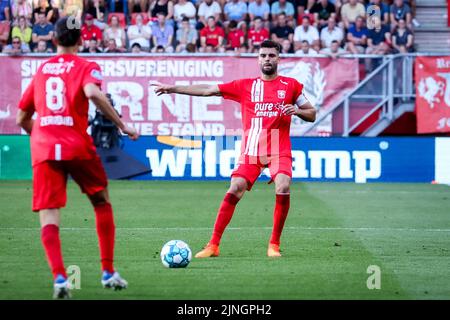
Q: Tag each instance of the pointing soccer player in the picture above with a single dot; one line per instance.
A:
(267, 104)
(60, 146)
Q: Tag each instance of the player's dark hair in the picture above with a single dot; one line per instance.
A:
(271, 44)
(67, 31)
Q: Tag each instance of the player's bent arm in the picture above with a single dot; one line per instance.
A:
(202, 90)
(93, 92)
(306, 112)
(24, 120)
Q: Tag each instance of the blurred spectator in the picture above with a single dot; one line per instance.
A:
(42, 47)
(207, 9)
(357, 37)
(5, 28)
(331, 33)
(283, 6)
(5, 7)
(400, 10)
(136, 48)
(191, 48)
(118, 6)
(259, 8)
(97, 9)
(306, 49)
(182, 9)
(89, 30)
(282, 30)
(139, 33)
(378, 38)
(22, 30)
(334, 50)
(114, 31)
(112, 47)
(44, 7)
(16, 47)
(21, 8)
(286, 47)
(160, 49)
(212, 35)
(185, 35)
(242, 49)
(235, 10)
(235, 36)
(384, 10)
(73, 8)
(164, 6)
(42, 30)
(92, 46)
(162, 33)
(306, 32)
(402, 39)
(323, 10)
(257, 35)
(303, 6)
(137, 6)
(350, 11)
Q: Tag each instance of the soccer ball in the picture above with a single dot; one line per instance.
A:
(176, 254)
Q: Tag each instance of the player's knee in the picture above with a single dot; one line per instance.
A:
(282, 188)
(238, 188)
(99, 198)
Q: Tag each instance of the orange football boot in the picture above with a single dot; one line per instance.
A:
(273, 250)
(210, 250)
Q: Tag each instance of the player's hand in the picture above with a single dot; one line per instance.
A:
(130, 132)
(161, 88)
(289, 109)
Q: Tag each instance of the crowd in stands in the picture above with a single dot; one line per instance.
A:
(304, 27)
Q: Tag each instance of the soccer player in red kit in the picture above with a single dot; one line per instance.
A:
(267, 104)
(60, 145)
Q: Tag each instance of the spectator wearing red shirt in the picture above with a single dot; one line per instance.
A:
(257, 35)
(90, 31)
(235, 37)
(212, 35)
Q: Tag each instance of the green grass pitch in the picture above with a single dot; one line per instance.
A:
(333, 233)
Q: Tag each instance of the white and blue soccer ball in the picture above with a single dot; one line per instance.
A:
(176, 254)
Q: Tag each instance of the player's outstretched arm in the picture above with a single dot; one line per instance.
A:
(306, 111)
(203, 90)
(93, 92)
(24, 120)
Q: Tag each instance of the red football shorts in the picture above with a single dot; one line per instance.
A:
(50, 180)
(250, 168)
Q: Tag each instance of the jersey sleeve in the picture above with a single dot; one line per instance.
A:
(27, 102)
(93, 74)
(300, 98)
(231, 90)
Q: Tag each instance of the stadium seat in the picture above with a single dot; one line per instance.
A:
(134, 15)
(121, 16)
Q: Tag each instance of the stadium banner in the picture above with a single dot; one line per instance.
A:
(361, 160)
(433, 94)
(128, 80)
(358, 160)
(15, 157)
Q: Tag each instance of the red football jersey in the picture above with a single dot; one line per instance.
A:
(56, 95)
(258, 37)
(212, 36)
(266, 129)
(90, 33)
(234, 38)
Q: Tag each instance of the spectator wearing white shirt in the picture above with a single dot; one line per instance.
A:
(306, 32)
(184, 8)
(139, 33)
(330, 33)
(306, 50)
(208, 8)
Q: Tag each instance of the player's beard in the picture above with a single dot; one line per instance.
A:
(271, 71)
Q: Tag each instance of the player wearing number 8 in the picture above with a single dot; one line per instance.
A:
(60, 145)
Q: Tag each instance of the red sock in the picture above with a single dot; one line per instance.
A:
(52, 246)
(279, 216)
(223, 217)
(104, 222)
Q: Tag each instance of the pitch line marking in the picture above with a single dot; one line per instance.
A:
(239, 228)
